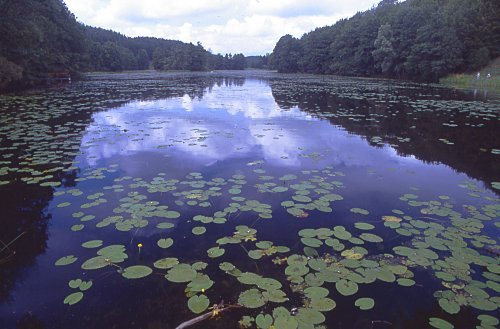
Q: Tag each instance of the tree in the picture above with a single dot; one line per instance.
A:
(435, 53)
(287, 53)
(384, 53)
(142, 60)
(9, 72)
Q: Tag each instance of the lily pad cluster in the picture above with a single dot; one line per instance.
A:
(197, 282)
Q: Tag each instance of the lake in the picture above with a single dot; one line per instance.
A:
(140, 200)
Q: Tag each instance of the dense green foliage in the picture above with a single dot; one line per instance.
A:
(258, 62)
(416, 39)
(38, 37)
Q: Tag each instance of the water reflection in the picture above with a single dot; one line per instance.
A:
(380, 134)
(227, 123)
(278, 122)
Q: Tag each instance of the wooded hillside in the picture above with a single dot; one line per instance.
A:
(38, 37)
(415, 39)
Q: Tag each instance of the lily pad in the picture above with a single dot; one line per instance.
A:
(310, 316)
(172, 214)
(95, 263)
(92, 244)
(165, 243)
(215, 252)
(136, 272)
(285, 322)
(66, 260)
(85, 285)
(323, 304)
(198, 230)
(181, 273)
(316, 292)
(73, 298)
(296, 270)
(364, 226)
(440, 323)
(364, 303)
(200, 283)
(251, 298)
(264, 321)
(198, 303)
(360, 211)
(370, 237)
(346, 287)
(166, 263)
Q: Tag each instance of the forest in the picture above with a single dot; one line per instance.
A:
(415, 39)
(420, 40)
(38, 37)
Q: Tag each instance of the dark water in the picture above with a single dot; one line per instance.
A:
(111, 158)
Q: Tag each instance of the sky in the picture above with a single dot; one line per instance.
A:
(251, 27)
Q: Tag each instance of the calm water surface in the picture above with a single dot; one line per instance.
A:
(367, 188)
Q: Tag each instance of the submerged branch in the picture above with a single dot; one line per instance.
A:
(218, 309)
(6, 246)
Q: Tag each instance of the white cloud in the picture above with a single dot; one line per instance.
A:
(225, 26)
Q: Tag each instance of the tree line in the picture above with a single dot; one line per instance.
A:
(414, 39)
(38, 37)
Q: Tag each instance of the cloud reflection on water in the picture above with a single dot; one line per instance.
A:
(228, 122)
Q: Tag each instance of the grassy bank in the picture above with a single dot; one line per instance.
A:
(471, 81)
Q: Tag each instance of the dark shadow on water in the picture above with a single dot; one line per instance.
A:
(380, 112)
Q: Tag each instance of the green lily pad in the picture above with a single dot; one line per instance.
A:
(215, 252)
(255, 254)
(172, 214)
(483, 304)
(199, 266)
(115, 253)
(449, 306)
(85, 285)
(249, 278)
(264, 244)
(276, 296)
(136, 272)
(405, 282)
(73, 298)
(200, 282)
(440, 323)
(310, 316)
(296, 270)
(364, 303)
(166, 263)
(92, 244)
(74, 284)
(312, 242)
(285, 322)
(322, 304)
(316, 292)
(198, 303)
(371, 237)
(268, 284)
(165, 243)
(251, 298)
(297, 260)
(264, 321)
(360, 211)
(346, 287)
(364, 226)
(198, 230)
(181, 273)
(488, 320)
(77, 227)
(66, 260)
(95, 263)
(165, 225)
